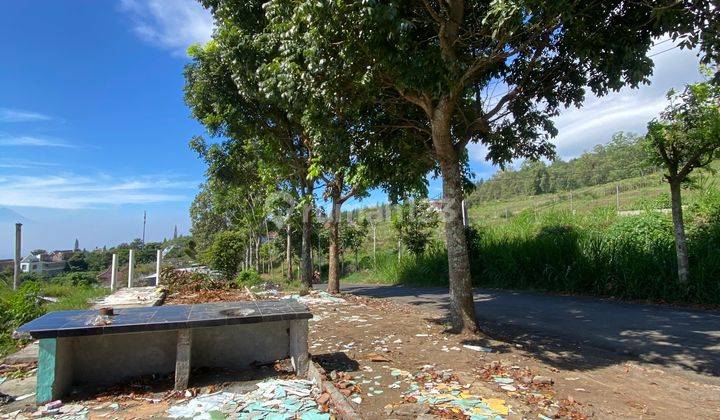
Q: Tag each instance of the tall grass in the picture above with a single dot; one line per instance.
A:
(597, 253)
(23, 305)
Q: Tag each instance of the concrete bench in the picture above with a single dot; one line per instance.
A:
(163, 339)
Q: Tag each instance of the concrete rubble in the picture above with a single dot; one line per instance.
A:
(440, 393)
(132, 297)
(316, 298)
(273, 399)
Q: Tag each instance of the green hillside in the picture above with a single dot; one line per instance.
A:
(611, 239)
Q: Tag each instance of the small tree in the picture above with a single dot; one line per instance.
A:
(352, 236)
(415, 223)
(684, 138)
(226, 252)
(77, 262)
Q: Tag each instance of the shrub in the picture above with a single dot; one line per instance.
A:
(85, 278)
(226, 252)
(77, 262)
(248, 278)
(20, 306)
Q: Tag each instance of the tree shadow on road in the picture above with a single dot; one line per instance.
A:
(578, 333)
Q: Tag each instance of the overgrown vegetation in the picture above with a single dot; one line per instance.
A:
(594, 253)
(72, 291)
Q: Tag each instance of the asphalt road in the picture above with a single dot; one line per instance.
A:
(573, 331)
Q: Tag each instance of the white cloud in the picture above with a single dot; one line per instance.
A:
(32, 141)
(629, 109)
(171, 24)
(18, 115)
(70, 191)
(16, 163)
(579, 129)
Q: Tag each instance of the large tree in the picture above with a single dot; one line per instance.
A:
(356, 145)
(685, 137)
(225, 93)
(496, 73)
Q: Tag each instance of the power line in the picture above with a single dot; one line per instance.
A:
(663, 51)
(662, 42)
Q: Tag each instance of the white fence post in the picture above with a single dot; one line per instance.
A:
(113, 272)
(131, 267)
(157, 267)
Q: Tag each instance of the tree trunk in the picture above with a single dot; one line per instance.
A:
(250, 253)
(333, 251)
(288, 251)
(462, 307)
(679, 225)
(257, 254)
(374, 247)
(306, 261)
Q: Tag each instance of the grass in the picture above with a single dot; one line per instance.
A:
(590, 251)
(23, 305)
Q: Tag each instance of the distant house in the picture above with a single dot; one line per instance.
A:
(437, 205)
(50, 264)
(61, 255)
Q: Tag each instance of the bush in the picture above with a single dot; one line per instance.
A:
(248, 278)
(77, 262)
(226, 252)
(598, 254)
(85, 278)
(20, 306)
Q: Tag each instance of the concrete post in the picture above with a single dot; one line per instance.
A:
(18, 255)
(113, 272)
(158, 262)
(299, 346)
(182, 361)
(131, 267)
(54, 373)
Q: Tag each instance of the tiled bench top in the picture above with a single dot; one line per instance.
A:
(158, 318)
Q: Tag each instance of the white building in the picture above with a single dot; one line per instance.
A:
(42, 264)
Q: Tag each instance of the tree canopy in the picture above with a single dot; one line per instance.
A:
(299, 79)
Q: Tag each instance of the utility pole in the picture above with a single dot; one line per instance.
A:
(144, 222)
(16, 265)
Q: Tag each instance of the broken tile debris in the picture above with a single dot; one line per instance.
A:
(273, 399)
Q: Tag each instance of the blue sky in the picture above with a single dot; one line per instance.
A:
(93, 128)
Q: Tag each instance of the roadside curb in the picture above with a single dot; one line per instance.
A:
(342, 406)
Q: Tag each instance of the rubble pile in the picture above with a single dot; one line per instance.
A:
(316, 297)
(273, 399)
(439, 392)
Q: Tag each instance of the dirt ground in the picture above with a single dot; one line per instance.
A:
(362, 329)
(396, 361)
